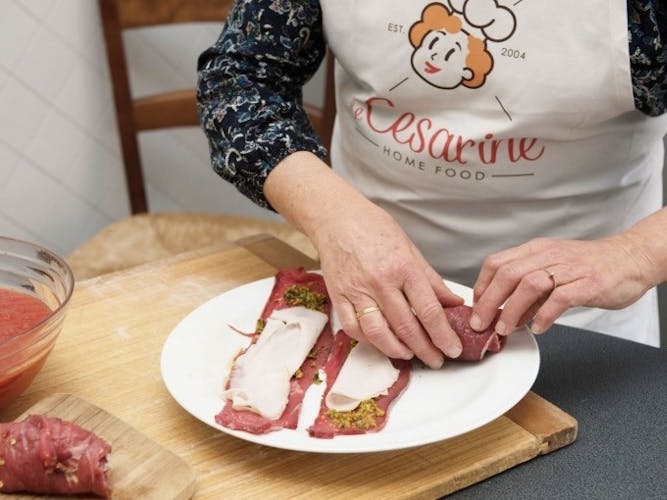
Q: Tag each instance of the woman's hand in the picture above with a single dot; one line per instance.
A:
(380, 285)
(382, 288)
(539, 280)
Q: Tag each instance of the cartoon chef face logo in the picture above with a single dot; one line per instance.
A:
(446, 54)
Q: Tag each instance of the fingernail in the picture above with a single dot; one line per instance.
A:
(438, 364)
(501, 328)
(407, 354)
(475, 322)
(453, 350)
(536, 328)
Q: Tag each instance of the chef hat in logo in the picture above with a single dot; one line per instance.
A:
(495, 21)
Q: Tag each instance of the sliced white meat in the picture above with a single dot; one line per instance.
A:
(260, 378)
(365, 374)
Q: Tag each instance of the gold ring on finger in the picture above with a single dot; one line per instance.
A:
(552, 276)
(367, 310)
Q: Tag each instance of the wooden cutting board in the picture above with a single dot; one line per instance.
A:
(140, 467)
(109, 355)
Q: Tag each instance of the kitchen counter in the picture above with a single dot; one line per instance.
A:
(617, 390)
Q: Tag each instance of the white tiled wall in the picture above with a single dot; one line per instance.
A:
(60, 174)
(61, 177)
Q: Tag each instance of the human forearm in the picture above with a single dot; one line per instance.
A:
(311, 196)
(647, 244)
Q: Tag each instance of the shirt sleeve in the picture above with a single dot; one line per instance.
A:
(249, 89)
(647, 32)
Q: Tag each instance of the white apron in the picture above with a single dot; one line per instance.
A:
(480, 125)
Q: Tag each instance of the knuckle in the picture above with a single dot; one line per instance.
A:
(533, 282)
(563, 299)
(395, 260)
(492, 261)
(350, 326)
(540, 243)
(510, 316)
(431, 313)
(508, 272)
(377, 280)
(405, 331)
(560, 254)
(405, 268)
(374, 333)
(403, 274)
(354, 292)
(545, 318)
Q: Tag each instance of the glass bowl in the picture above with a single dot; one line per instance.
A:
(33, 271)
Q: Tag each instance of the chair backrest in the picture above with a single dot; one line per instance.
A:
(176, 108)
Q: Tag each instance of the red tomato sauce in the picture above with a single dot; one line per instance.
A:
(11, 387)
(19, 312)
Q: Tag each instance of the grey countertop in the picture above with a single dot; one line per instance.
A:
(617, 390)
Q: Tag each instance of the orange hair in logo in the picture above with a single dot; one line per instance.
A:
(479, 61)
(436, 17)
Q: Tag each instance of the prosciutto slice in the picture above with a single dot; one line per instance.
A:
(370, 415)
(47, 455)
(287, 293)
(475, 344)
(365, 374)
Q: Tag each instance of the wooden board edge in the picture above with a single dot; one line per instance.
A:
(432, 470)
(522, 452)
(276, 252)
(554, 427)
(158, 263)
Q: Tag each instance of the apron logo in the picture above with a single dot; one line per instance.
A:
(449, 43)
(446, 54)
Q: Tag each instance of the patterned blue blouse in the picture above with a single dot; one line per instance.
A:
(250, 83)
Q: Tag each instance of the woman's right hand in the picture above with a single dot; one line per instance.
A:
(380, 285)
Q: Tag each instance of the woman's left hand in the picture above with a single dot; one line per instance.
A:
(539, 280)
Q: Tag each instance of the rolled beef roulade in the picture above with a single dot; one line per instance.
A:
(47, 455)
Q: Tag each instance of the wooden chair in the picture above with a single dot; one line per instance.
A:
(145, 236)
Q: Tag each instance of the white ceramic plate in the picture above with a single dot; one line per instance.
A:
(437, 404)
